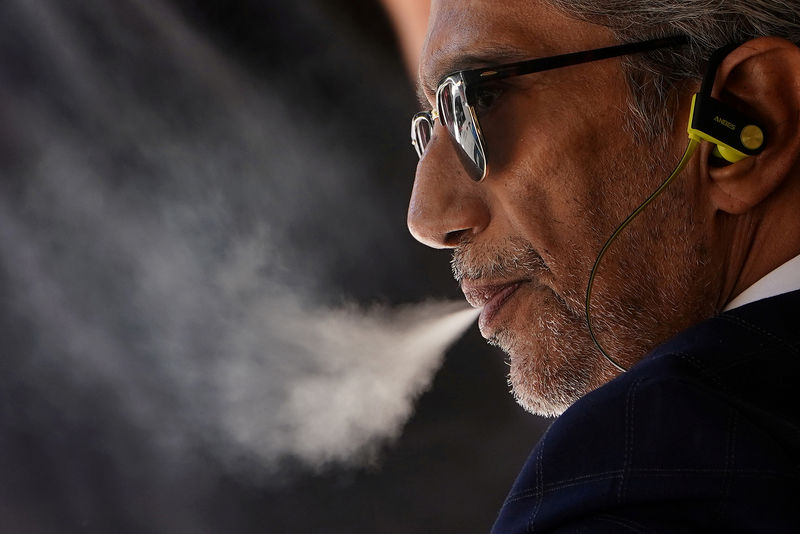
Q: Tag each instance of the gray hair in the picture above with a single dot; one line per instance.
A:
(709, 24)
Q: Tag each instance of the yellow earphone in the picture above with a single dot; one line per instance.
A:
(735, 135)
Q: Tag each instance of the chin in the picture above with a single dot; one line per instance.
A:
(553, 362)
(543, 386)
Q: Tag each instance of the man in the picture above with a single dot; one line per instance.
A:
(526, 177)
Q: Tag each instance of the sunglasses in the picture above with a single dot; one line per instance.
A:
(456, 97)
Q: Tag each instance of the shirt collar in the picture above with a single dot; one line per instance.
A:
(781, 280)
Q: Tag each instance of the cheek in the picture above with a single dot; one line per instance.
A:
(544, 177)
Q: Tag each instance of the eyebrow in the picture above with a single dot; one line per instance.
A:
(487, 55)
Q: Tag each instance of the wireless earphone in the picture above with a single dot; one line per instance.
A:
(735, 135)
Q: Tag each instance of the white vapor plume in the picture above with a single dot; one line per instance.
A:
(149, 245)
(367, 370)
(227, 356)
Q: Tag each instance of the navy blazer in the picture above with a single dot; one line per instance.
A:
(702, 435)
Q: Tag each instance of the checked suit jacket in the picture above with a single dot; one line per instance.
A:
(702, 435)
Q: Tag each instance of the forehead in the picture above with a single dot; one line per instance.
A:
(465, 34)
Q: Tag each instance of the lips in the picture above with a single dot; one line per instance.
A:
(489, 297)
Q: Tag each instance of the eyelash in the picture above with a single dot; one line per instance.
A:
(492, 91)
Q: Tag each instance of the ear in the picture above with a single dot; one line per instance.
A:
(761, 79)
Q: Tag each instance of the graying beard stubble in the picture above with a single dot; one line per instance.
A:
(513, 258)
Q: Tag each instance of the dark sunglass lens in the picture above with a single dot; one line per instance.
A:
(445, 104)
(459, 121)
(421, 133)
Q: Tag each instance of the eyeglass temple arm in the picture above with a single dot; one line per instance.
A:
(541, 64)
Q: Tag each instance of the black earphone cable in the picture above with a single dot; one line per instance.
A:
(687, 155)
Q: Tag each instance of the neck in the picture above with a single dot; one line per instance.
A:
(760, 241)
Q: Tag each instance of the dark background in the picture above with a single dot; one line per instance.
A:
(328, 170)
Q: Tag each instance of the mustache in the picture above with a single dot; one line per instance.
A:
(515, 258)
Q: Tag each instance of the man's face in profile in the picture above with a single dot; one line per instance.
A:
(564, 170)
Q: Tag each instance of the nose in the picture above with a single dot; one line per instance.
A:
(446, 204)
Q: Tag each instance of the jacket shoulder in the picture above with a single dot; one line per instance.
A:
(701, 420)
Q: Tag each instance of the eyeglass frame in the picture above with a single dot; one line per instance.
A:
(474, 78)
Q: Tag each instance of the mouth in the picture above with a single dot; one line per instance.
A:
(490, 297)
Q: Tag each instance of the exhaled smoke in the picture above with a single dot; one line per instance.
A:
(148, 240)
(351, 378)
(216, 353)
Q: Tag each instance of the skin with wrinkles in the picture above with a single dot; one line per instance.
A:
(564, 169)
(562, 175)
